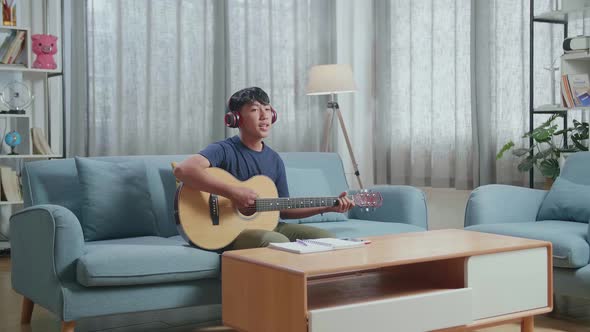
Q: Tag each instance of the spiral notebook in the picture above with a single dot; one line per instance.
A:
(316, 245)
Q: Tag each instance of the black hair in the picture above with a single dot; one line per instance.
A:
(247, 96)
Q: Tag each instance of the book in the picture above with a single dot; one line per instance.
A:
(576, 43)
(580, 86)
(7, 37)
(10, 185)
(40, 145)
(14, 48)
(20, 43)
(316, 245)
(566, 92)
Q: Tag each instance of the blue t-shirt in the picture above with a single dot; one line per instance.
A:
(243, 163)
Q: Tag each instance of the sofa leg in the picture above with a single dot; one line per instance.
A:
(527, 324)
(68, 326)
(26, 311)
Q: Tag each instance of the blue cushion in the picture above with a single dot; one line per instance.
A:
(116, 202)
(144, 260)
(566, 201)
(570, 247)
(312, 182)
(361, 228)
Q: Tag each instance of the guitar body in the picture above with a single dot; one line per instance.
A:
(194, 212)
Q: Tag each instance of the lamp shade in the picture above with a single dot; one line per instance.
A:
(328, 79)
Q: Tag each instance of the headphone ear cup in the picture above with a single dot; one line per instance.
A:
(274, 115)
(232, 120)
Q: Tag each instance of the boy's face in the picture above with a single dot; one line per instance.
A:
(255, 120)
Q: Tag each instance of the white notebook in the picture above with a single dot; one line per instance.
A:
(315, 245)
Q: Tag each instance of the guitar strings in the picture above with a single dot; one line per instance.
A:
(274, 204)
(283, 203)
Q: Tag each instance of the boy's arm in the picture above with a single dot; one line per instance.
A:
(302, 212)
(192, 173)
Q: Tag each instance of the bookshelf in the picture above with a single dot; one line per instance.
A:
(47, 110)
(571, 63)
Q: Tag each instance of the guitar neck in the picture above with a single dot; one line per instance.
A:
(276, 204)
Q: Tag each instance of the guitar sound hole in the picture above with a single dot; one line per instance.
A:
(247, 211)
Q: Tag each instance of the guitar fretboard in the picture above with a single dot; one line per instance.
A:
(274, 204)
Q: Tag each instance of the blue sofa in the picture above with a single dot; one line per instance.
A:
(54, 267)
(560, 215)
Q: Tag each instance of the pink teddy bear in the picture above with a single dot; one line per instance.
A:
(45, 46)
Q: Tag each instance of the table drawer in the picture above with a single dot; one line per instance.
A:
(508, 282)
(424, 311)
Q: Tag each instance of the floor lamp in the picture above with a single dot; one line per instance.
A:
(331, 80)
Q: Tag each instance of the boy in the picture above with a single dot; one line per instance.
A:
(245, 155)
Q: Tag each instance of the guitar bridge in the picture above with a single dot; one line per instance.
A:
(214, 209)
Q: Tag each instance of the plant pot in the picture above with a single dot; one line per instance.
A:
(548, 183)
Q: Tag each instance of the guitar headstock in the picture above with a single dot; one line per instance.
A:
(368, 199)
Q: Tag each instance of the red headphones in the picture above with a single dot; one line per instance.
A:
(232, 119)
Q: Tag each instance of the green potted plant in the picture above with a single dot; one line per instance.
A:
(546, 152)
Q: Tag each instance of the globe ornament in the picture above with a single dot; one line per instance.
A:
(12, 139)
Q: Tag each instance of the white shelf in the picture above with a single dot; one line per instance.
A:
(9, 27)
(29, 156)
(577, 56)
(23, 68)
(561, 15)
(8, 115)
(11, 203)
(553, 108)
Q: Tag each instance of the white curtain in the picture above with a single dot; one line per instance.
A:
(503, 60)
(153, 76)
(356, 46)
(160, 72)
(442, 85)
(272, 44)
(423, 127)
(454, 88)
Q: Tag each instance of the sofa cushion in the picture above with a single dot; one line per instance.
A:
(361, 228)
(570, 246)
(566, 201)
(310, 182)
(116, 201)
(144, 260)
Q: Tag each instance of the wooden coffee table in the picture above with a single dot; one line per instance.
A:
(451, 280)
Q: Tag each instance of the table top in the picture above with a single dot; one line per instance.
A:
(387, 250)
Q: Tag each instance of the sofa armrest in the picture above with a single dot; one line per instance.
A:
(46, 241)
(402, 204)
(496, 203)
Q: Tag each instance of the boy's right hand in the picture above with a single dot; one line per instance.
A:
(243, 197)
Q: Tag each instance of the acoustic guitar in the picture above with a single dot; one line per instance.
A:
(212, 222)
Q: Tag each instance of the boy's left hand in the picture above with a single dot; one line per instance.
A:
(344, 204)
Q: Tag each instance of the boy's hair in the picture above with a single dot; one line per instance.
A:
(247, 96)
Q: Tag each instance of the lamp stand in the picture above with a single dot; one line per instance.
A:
(333, 105)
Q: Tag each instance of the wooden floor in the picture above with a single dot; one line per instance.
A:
(178, 320)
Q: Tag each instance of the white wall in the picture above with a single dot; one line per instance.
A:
(446, 207)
